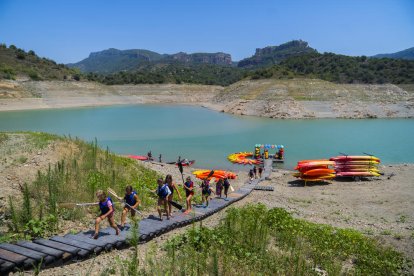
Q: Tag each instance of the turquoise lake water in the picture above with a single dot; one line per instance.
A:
(208, 136)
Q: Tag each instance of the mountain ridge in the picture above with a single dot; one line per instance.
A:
(407, 54)
(113, 60)
(271, 55)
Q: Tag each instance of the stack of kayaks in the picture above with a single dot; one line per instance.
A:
(315, 170)
(203, 174)
(356, 166)
(243, 158)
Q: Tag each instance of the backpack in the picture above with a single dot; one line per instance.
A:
(163, 191)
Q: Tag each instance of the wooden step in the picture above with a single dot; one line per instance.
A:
(57, 254)
(75, 251)
(17, 259)
(37, 256)
(6, 267)
(107, 245)
(82, 245)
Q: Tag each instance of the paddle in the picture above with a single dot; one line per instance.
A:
(343, 154)
(368, 154)
(112, 192)
(173, 203)
(72, 205)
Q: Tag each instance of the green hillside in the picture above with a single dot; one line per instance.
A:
(407, 54)
(341, 69)
(275, 54)
(15, 62)
(174, 73)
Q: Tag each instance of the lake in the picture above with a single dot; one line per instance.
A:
(208, 136)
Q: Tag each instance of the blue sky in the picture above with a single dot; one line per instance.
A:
(67, 31)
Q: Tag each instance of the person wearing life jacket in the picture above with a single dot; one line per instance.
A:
(206, 191)
(163, 192)
(251, 174)
(172, 187)
(219, 187)
(131, 198)
(107, 211)
(189, 193)
(226, 185)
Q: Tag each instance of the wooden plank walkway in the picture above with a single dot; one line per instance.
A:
(59, 250)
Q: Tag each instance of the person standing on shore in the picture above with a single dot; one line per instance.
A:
(160, 158)
(255, 171)
(260, 172)
(172, 187)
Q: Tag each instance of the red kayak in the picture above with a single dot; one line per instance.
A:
(138, 157)
(186, 163)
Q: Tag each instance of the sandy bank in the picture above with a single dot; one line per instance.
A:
(285, 99)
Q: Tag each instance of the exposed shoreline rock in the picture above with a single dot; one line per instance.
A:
(279, 99)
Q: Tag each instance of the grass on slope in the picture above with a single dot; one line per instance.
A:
(254, 240)
(73, 179)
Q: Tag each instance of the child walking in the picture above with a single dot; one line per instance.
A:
(226, 185)
(206, 191)
(107, 211)
(131, 198)
(189, 193)
(219, 187)
(163, 192)
(172, 187)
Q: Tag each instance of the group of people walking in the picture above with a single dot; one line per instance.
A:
(255, 172)
(165, 192)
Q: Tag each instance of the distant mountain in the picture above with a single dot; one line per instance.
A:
(114, 60)
(15, 63)
(275, 54)
(405, 54)
(200, 58)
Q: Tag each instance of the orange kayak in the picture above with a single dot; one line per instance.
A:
(319, 172)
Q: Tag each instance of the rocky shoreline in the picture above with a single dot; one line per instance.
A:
(279, 99)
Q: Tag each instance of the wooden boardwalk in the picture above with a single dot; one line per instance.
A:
(58, 250)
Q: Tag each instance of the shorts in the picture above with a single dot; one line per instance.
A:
(206, 192)
(109, 216)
